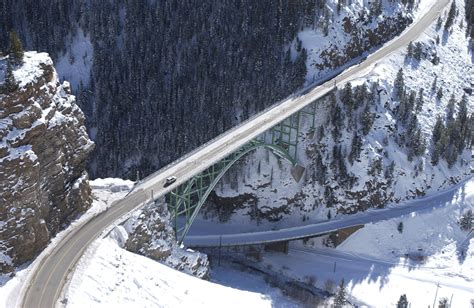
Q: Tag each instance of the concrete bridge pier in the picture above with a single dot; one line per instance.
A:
(297, 172)
(277, 247)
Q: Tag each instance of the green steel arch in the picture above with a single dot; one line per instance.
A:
(183, 197)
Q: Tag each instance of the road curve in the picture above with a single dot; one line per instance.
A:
(287, 234)
(50, 275)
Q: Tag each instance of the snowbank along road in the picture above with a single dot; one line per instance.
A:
(310, 230)
(43, 287)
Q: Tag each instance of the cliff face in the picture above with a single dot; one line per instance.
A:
(150, 234)
(43, 151)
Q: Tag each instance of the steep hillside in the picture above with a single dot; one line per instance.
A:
(158, 78)
(43, 151)
(403, 132)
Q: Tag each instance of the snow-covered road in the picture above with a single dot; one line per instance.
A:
(419, 206)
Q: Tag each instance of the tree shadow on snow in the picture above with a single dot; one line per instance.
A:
(413, 63)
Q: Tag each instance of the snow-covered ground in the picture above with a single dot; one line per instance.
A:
(374, 265)
(75, 65)
(105, 192)
(110, 276)
(315, 41)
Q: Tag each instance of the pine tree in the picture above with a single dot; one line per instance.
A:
(399, 84)
(402, 109)
(450, 109)
(402, 302)
(375, 8)
(417, 142)
(389, 172)
(470, 133)
(435, 154)
(340, 298)
(347, 96)
(342, 166)
(320, 172)
(466, 220)
(300, 68)
(10, 82)
(438, 129)
(367, 120)
(337, 121)
(451, 15)
(419, 100)
(320, 133)
(376, 167)
(16, 48)
(400, 227)
(462, 112)
(361, 95)
(463, 123)
(339, 6)
(439, 23)
(299, 44)
(418, 51)
(434, 85)
(410, 50)
(439, 94)
(443, 302)
(356, 148)
(411, 102)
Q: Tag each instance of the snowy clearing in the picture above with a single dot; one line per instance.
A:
(374, 265)
(108, 275)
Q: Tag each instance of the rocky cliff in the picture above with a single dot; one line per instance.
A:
(43, 151)
(150, 234)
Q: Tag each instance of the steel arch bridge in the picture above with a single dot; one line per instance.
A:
(187, 199)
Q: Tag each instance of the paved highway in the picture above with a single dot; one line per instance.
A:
(235, 239)
(50, 275)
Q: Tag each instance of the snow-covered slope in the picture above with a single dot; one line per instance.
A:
(436, 234)
(111, 276)
(346, 32)
(379, 263)
(384, 170)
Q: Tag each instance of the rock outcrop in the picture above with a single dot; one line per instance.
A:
(43, 151)
(151, 234)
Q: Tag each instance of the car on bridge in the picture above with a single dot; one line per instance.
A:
(170, 180)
